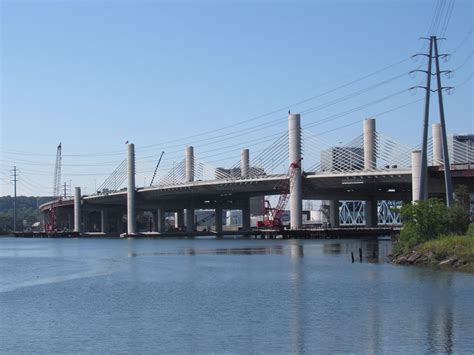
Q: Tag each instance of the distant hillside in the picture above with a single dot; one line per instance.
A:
(27, 211)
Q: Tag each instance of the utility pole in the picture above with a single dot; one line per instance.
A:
(64, 188)
(14, 196)
(424, 159)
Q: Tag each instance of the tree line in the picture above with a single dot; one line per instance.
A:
(26, 210)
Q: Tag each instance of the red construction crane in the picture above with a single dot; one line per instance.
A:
(51, 226)
(272, 217)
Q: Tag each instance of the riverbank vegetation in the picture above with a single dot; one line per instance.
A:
(26, 210)
(434, 234)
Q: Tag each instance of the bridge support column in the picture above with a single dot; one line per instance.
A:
(43, 221)
(104, 223)
(119, 222)
(369, 144)
(160, 220)
(371, 217)
(77, 210)
(179, 219)
(437, 144)
(189, 164)
(154, 217)
(218, 220)
(244, 163)
(86, 222)
(70, 221)
(131, 211)
(190, 225)
(334, 213)
(294, 148)
(415, 174)
(246, 216)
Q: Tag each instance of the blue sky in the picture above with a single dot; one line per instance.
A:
(94, 74)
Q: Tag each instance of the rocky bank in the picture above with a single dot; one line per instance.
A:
(417, 258)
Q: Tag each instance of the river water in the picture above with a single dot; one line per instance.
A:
(239, 296)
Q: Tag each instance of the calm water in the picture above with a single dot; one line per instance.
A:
(244, 296)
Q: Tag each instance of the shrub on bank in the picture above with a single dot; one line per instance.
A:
(470, 230)
(428, 220)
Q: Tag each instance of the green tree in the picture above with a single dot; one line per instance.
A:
(457, 218)
(430, 219)
(425, 218)
(26, 209)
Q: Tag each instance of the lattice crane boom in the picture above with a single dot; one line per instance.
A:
(57, 173)
(273, 215)
(52, 225)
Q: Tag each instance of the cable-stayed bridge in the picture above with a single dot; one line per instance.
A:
(358, 182)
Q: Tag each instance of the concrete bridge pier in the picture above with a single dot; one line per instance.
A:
(179, 219)
(244, 163)
(131, 202)
(218, 220)
(70, 221)
(246, 216)
(86, 222)
(43, 221)
(104, 221)
(189, 164)
(119, 222)
(437, 144)
(154, 217)
(334, 213)
(190, 225)
(77, 210)
(189, 175)
(294, 148)
(369, 144)
(371, 217)
(415, 174)
(160, 221)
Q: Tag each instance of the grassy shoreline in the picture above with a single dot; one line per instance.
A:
(454, 252)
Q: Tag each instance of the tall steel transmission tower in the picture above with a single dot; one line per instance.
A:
(433, 47)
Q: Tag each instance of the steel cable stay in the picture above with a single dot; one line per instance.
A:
(115, 180)
(329, 118)
(98, 174)
(112, 162)
(349, 157)
(338, 115)
(175, 176)
(233, 148)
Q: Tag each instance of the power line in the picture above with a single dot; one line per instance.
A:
(286, 107)
(447, 17)
(463, 41)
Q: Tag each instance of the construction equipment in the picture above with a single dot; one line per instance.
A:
(272, 217)
(51, 226)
